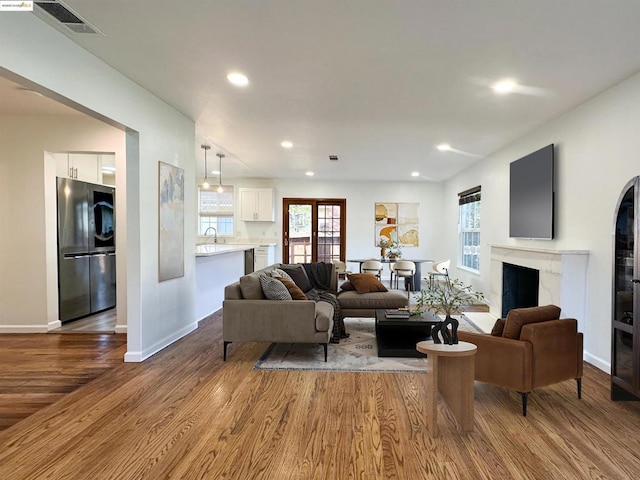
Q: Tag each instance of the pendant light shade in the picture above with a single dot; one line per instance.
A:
(220, 157)
(205, 184)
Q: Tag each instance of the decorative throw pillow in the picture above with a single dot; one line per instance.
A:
(498, 327)
(274, 289)
(279, 273)
(347, 286)
(294, 290)
(366, 283)
(298, 275)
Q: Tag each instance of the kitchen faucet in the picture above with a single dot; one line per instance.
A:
(215, 234)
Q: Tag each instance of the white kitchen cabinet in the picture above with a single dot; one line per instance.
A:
(79, 166)
(256, 205)
(108, 168)
(264, 255)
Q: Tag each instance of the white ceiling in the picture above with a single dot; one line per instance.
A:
(378, 83)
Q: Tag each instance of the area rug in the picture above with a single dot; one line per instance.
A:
(358, 353)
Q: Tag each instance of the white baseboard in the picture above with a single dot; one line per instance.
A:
(120, 329)
(55, 324)
(598, 363)
(24, 329)
(159, 345)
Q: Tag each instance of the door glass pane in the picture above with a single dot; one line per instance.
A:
(328, 233)
(300, 234)
(624, 262)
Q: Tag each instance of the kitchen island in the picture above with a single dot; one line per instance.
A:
(217, 265)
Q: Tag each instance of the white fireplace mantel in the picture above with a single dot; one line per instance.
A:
(563, 277)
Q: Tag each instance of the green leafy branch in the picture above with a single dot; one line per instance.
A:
(446, 297)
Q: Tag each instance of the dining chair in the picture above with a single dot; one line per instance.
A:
(439, 269)
(372, 266)
(405, 269)
(341, 268)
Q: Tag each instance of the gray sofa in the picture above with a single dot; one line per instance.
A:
(247, 316)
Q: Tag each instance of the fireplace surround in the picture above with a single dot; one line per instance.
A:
(562, 277)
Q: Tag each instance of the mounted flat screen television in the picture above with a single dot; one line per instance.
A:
(531, 195)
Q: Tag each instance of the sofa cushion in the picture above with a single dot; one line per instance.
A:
(518, 317)
(251, 287)
(324, 315)
(274, 289)
(298, 275)
(498, 327)
(366, 283)
(371, 301)
(294, 290)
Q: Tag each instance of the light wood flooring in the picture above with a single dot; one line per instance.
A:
(184, 413)
(103, 322)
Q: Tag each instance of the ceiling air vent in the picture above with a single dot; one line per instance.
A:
(333, 158)
(63, 15)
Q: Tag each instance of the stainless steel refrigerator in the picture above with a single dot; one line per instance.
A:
(86, 248)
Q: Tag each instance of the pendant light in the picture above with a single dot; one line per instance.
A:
(205, 184)
(220, 157)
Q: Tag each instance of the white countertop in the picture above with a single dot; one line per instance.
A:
(210, 249)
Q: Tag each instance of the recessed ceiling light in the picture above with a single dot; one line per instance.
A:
(504, 86)
(238, 79)
(309, 173)
(443, 147)
(286, 144)
(415, 174)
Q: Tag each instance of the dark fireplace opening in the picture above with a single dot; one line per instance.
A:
(519, 287)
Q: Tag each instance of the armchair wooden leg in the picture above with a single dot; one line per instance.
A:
(579, 382)
(525, 396)
(224, 350)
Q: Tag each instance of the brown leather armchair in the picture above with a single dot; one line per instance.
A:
(533, 349)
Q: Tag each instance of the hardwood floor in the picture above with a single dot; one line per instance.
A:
(40, 369)
(185, 413)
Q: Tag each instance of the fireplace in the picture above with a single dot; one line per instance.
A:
(519, 287)
(562, 277)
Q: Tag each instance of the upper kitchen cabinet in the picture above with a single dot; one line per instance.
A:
(256, 205)
(87, 167)
(108, 168)
(79, 166)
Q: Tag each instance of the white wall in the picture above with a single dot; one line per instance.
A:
(597, 153)
(361, 199)
(28, 272)
(158, 313)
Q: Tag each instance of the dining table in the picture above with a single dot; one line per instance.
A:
(416, 280)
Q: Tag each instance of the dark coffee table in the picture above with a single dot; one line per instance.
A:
(397, 337)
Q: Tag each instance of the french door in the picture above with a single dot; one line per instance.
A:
(313, 230)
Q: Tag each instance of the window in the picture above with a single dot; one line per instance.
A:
(469, 229)
(216, 211)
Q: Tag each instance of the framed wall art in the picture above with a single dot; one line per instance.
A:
(171, 222)
(397, 222)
